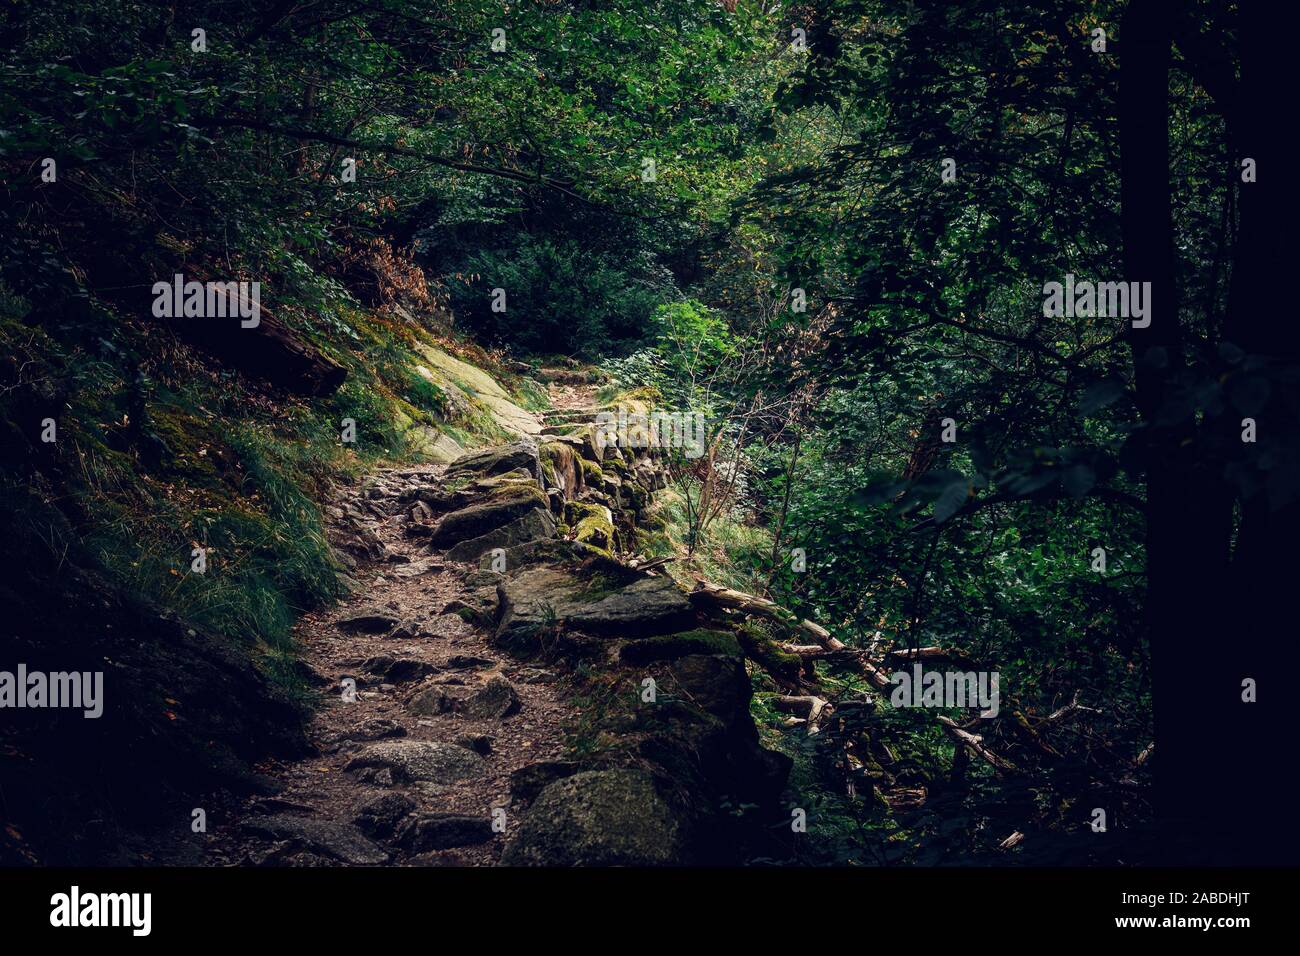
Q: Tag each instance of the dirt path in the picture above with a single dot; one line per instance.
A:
(397, 640)
(571, 390)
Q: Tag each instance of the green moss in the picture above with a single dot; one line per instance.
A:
(672, 646)
(765, 652)
(193, 448)
(549, 477)
(575, 511)
(532, 395)
(592, 475)
(520, 488)
(597, 531)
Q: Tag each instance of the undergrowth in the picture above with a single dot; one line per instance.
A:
(158, 454)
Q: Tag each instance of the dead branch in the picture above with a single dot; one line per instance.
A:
(812, 709)
(975, 743)
(718, 596)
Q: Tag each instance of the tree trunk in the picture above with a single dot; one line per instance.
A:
(1260, 636)
(1194, 612)
(1188, 524)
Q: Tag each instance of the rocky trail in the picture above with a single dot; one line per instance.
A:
(436, 711)
(487, 640)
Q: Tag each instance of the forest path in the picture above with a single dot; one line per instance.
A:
(421, 722)
(570, 391)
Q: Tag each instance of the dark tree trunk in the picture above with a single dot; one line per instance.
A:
(1188, 518)
(1261, 634)
(1222, 770)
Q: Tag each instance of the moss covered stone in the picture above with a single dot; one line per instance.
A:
(479, 519)
(671, 646)
(592, 474)
(595, 526)
(600, 818)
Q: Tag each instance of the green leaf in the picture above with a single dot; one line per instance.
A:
(951, 500)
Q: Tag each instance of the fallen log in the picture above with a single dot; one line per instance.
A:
(806, 651)
(718, 596)
(975, 743)
(810, 708)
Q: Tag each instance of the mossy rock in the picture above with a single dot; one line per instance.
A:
(479, 389)
(497, 460)
(479, 519)
(511, 488)
(767, 654)
(600, 818)
(575, 511)
(591, 473)
(543, 551)
(560, 469)
(594, 599)
(536, 524)
(596, 531)
(671, 646)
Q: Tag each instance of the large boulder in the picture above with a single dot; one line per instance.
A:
(411, 761)
(448, 496)
(535, 524)
(497, 460)
(544, 551)
(477, 520)
(473, 392)
(541, 597)
(717, 683)
(668, 647)
(342, 841)
(600, 818)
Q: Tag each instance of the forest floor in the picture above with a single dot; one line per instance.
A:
(397, 639)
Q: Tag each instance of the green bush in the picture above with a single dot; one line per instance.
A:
(561, 296)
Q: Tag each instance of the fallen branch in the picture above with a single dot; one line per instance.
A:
(1070, 708)
(812, 709)
(975, 744)
(910, 655)
(718, 596)
(715, 595)
(806, 651)
(652, 565)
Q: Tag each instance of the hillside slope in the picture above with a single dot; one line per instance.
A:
(163, 526)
